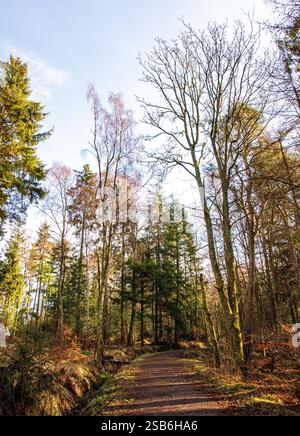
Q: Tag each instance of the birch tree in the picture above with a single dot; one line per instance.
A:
(113, 145)
(56, 208)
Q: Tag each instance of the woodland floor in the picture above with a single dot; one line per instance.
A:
(164, 385)
(178, 383)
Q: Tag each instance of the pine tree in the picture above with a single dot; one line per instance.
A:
(21, 171)
(82, 212)
(41, 263)
(11, 282)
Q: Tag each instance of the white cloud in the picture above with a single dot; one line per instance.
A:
(51, 74)
(44, 77)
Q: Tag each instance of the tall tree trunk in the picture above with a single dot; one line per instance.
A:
(251, 294)
(88, 290)
(229, 299)
(99, 348)
(142, 313)
(123, 285)
(156, 313)
(210, 325)
(108, 237)
(232, 283)
(157, 283)
(133, 311)
(270, 286)
(176, 329)
(38, 308)
(60, 314)
(79, 284)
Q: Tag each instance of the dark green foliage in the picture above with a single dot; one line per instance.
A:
(164, 296)
(12, 283)
(21, 172)
(23, 376)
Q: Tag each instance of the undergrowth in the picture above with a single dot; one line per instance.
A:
(255, 395)
(106, 398)
(42, 380)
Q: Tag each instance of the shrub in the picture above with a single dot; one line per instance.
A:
(24, 373)
(39, 381)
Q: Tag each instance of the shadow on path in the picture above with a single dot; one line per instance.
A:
(164, 386)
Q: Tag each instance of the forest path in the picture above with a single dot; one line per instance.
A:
(165, 385)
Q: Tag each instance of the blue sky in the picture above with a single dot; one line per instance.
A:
(68, 43)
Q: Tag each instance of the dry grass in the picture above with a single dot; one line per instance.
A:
(43, 381)
(272, 384)
(114, 382)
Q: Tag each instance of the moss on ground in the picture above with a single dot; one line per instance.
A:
(107, 396)
(243, 397)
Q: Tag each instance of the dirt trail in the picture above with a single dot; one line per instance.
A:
(163, 385)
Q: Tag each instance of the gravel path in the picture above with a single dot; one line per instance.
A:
(164, 385)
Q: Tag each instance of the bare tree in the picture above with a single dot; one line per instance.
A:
(56, 208)
(113, 148)
(205, 81)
